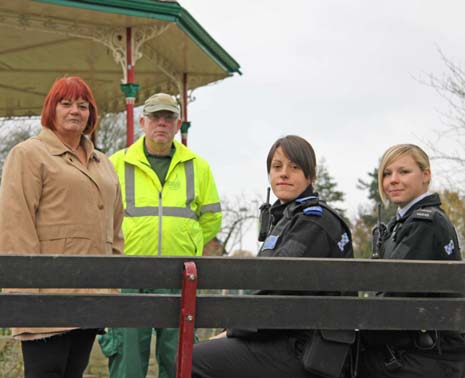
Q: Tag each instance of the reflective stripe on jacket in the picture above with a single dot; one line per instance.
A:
(184, 213)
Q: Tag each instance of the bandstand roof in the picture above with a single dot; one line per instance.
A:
(42, 40)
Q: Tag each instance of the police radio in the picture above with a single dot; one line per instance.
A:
(264, 218)
(378, 236)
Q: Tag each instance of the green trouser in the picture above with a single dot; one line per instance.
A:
(128, 349)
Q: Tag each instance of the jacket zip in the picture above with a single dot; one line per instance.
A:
(160, 217)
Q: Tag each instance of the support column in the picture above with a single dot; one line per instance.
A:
(130, 88)
(185, 123)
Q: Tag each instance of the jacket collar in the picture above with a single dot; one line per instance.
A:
(278, 208)
(135, 153)
(403, 210)
(56, 146)
(431, 200)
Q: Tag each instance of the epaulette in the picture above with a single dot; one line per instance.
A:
(313, 207)
(314, 210)
(425, 214)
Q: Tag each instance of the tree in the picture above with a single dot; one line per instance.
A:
(451, 87)
(111, 133)
(454, 205)
(15, 131)
(362, 238)
(239, 217)
(368, 216)
(326, 187)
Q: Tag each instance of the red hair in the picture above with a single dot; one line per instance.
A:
(69, 88)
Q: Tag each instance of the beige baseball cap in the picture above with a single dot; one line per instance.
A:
(160, 101)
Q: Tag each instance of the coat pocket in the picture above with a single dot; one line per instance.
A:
(79, 239)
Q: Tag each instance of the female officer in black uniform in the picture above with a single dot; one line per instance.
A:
(302, 226)
(419, 231)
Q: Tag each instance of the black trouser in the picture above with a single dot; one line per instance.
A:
(375, 364)
(248, 358)
(61, 356)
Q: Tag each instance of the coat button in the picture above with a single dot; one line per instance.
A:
(100, 206)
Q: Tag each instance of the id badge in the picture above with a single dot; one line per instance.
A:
(270, 242)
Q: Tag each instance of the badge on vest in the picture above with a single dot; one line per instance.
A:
(270, 242)
(344, 240)
(449, 248)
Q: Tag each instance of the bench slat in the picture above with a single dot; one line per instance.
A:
(233, 311)
(232, 273)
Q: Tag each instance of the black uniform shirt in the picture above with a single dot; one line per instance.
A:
(423, 233)
(305, 227)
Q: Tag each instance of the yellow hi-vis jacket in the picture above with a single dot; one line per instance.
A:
(178, 218)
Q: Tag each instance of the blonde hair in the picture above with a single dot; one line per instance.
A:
(394, 152)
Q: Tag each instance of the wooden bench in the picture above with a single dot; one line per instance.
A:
(222, 311)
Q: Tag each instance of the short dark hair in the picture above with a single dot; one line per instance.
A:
(299, 151)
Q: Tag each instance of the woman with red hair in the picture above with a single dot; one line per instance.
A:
(59, 195)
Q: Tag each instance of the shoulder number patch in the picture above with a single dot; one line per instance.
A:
(426, 214)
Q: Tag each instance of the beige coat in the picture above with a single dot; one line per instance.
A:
(51, 204)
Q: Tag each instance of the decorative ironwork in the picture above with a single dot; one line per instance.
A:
(142, 34)
(114, 38)
(165, 66)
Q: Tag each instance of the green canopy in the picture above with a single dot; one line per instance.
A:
(46, 39)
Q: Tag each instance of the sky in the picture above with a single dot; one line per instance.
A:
(346, 75)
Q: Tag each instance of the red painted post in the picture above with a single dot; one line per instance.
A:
(129, 66)
(129, 100)
(187, 321)
(185, 123)
(130, 89)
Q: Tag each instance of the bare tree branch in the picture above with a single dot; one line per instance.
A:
(449, 142)
(239, 216)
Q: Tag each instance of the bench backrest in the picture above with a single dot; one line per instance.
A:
(250, 311)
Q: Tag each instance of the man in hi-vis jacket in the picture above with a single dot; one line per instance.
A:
(172, 208)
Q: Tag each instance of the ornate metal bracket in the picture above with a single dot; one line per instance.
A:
(114, 38)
